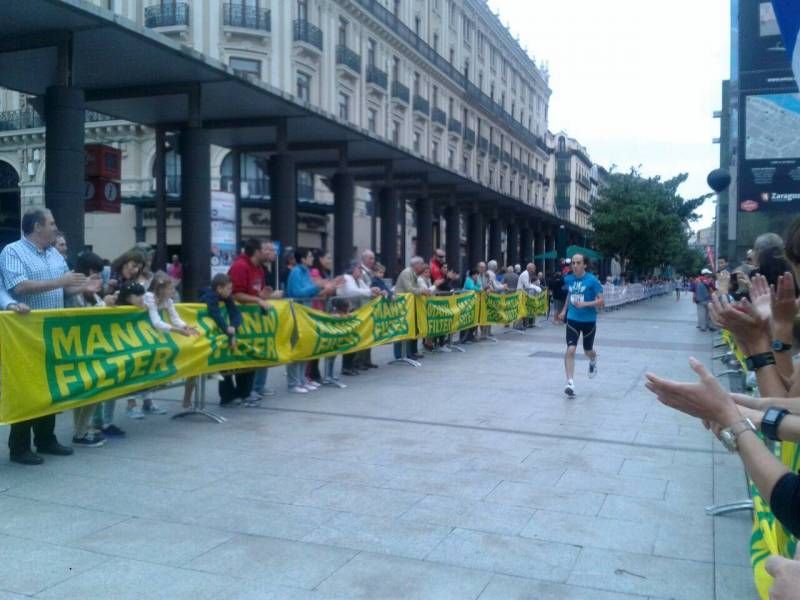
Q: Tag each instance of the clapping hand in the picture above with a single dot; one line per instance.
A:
(746, 323)
(706, 399)
(785, 305)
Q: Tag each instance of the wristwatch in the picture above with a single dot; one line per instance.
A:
(771, 421)
(779, 346)
(757, 361)
(729, 436)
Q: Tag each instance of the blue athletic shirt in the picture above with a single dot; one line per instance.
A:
(583, 289)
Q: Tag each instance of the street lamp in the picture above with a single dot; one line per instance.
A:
(718, 180)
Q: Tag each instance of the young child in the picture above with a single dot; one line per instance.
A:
(221, 292)
(162, 289)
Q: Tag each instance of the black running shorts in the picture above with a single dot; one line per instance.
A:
(576, 328)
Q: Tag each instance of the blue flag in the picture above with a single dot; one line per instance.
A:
(787, 13)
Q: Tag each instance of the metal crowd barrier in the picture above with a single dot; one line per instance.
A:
(615, 296)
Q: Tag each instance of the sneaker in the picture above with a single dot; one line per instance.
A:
(569, 390)
(333, 382)
(113, 431)
(298, 389)
(135, 413)
(88, 441)
(309, 388)
(153, 409)
(592, 368)
(312, 384)
(252, 401)
(265, 392)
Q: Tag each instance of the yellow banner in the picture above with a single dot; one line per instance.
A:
(499, 309)
(769, 536)
(57, 360)
(443, 315)
(382, 321)
(536, 305)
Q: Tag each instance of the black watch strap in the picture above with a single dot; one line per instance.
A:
(757, 361)
(771, 421)
(779, 346)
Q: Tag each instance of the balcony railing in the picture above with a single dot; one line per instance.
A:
(308, 33)
(173, 14)
(584, 181)
(494, 151)
(377, 77)
(14, 120)
(563, 176)
(439, 116)
(27, 118)
(483, 144)
(400, 92)
(236, 14)
(421, 105)
(469, 135)
(454, 126)
(347, 57)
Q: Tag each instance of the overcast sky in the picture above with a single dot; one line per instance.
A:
(635, 81)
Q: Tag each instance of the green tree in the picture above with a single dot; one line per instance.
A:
(642, 221)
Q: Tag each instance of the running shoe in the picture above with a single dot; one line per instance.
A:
(88, 441)
(153, 409)
(134, 413)
(569, 390)
(593, 368)
(298, 389)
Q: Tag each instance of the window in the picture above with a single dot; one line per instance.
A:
(302, 10)
(343, 32)
(450, 107)
(451, 158)
(371, 52)
(246, 66)
(435, 151)
(452, 56)
(372, 120)
(396, 132)
(480, 80)
(416, 83)
(452, 13)
(418, 26)
(344, 106)
(466, 118)
(397, 8)
(417, 141)
(253, 173)
(435, 97)
(491, 91)
(501, 182)
(491, 176)
(466, 69)
(465, 164)
(436, 43)
(304, 86)
(395, 69)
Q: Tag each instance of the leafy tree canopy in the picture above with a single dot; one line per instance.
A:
(643, 221)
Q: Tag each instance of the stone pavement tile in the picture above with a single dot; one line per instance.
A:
(629, 451)
(268, 488)
(28, 567)
(680, 442)
(686, 492)
(730, 484)
(693, 459)
(155, 541)
(735, 583)
(379, 534)
(374, 576)
(639, 487)
(645, 575)
(686, 539)
(536, 496)
(127, 579)
(466, 514)
(360, 499)
(471, 486)
(599, 532)
(49, 522)
(696, 475)
(255, 517)
(329, 470)
(555, 457)
(732, 539)
(10, 596)
(627, 508)
(510, 555)
(504, 587)
(283, 562)
(264, 590)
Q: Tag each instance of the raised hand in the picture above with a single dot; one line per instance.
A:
(785, 305)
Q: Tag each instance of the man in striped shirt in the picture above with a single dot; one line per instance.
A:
(36, 276)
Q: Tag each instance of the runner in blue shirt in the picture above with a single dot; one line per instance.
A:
(584, 297)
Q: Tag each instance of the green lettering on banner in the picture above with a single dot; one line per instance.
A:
(390, 319)
(502, 308)
(91, 352)
(439, 316)
(335, 334)
(467, 307)
(255, 338)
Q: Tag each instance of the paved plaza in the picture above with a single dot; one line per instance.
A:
(471, 477)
